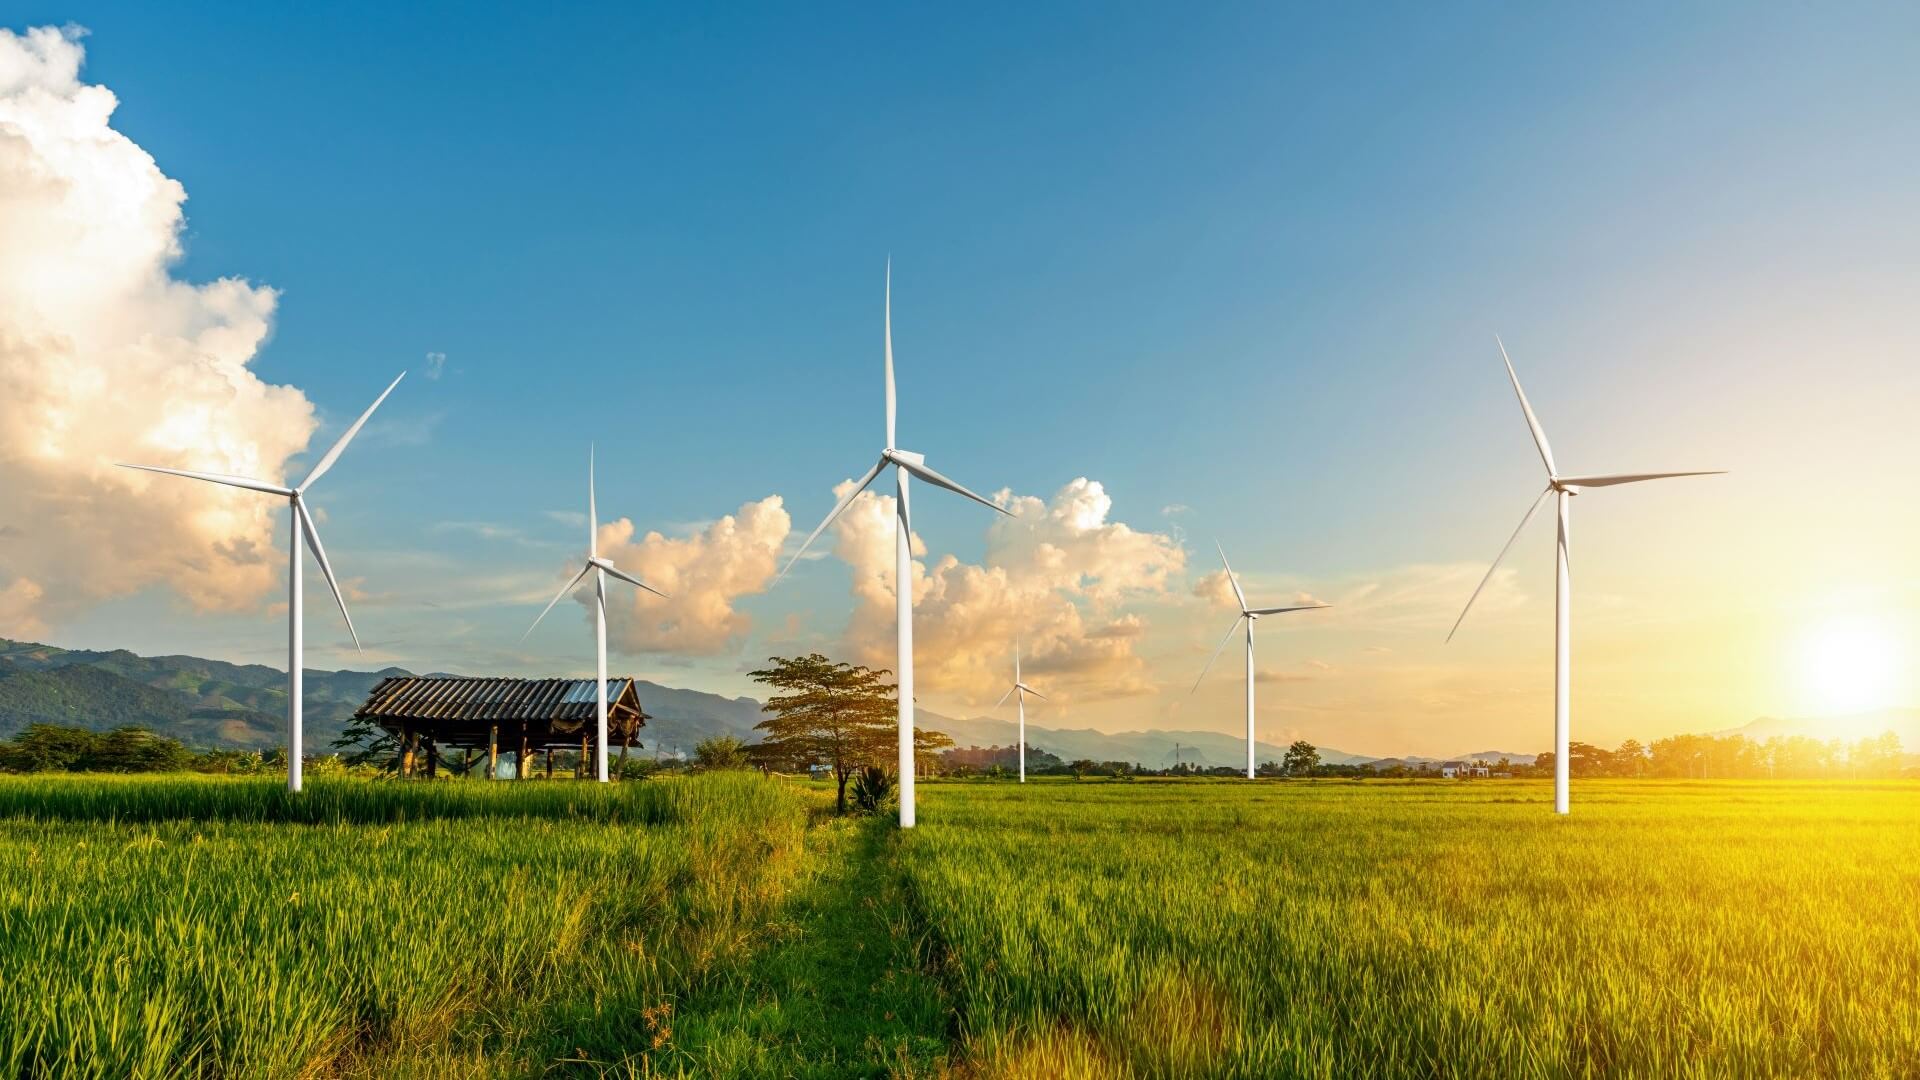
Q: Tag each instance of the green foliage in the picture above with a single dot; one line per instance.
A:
(871, 788)
(720, 752)
(54, 748)
(1301, 759)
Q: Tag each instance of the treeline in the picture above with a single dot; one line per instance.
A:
(136, 749)
(1716, 757)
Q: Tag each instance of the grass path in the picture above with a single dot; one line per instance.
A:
(839, 990)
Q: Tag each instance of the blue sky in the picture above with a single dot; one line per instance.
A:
(1243, 260)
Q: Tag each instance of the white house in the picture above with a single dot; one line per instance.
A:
(1459, 770)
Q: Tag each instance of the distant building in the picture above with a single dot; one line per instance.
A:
(1460, 770)
(436, 713)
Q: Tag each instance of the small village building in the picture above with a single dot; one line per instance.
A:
(1460, 770)
(432, 714)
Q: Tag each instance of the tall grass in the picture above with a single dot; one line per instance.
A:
(203, 927)
(1337, 929)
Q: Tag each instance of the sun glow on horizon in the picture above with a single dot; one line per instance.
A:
(1849, 664)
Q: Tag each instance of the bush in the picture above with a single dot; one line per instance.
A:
(871, 787)
(720, 752)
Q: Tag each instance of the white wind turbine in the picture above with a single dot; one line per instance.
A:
(1020, 690)
(1249, 616)
(301, 525)
(905, 464)
(1563, 488)
(600, 568)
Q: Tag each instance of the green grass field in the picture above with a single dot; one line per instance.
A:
(725, 925)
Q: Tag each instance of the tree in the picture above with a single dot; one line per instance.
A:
(827, 712)
(720, 752)
(1301, 759)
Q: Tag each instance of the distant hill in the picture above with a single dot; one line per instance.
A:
(1154, 748)
(1902, 722)
(200, 702)
(211, 703)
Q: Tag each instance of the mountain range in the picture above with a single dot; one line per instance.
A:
(209, 703)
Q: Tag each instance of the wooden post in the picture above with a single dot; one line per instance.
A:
(580, 766)
(525, 760)
(493, 752)
(410, 740)
(549, 756)
(433, 758)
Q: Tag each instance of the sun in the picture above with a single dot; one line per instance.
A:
(1850, 664)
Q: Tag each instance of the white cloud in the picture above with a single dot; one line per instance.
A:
(105, 357)
(1054, 576)
(436, 365)
(703, 575)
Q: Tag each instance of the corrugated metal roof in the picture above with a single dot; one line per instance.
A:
(459, 697)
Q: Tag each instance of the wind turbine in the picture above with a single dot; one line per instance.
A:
(1021, 690)
(1249, 616)
(905, 464)
(600, 568)
(1563, 488)
(301, 525)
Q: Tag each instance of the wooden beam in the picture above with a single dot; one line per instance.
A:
(411, 741)
(493, 752)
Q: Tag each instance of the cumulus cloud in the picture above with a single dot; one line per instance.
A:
(703, 574)
(1054, 576)
(105, 357)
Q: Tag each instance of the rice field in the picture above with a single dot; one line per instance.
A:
(726, 925)
(1334, 928)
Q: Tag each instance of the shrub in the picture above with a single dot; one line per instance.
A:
(871, 787)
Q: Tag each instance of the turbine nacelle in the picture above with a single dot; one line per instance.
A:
(904, 457)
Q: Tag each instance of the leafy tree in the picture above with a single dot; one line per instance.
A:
(363, 742)
(1082, 767)
(1301, 759)
(826, 712)
(55, 747)
(720, 752)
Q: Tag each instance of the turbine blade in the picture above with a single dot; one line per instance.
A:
(1533, 422)
(1631, 478)
(634, 581)
(1005, 696)
(218, 478)
(1531, 510)
(564, 590)
(906, 507)
(838, 509)
(1216, 649)
(889, 330)
(1231, 580)
(1291, 607)
(1030, 690)
(326, 569)
(934, 478)
(333, 455)
(593, 510)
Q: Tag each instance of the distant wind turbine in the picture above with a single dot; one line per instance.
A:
(905, 464)
(302, 524)
(600, 568)
(1247, 615)
(1563, 488)
(1019, 691)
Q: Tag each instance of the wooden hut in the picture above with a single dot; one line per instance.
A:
(432, 714)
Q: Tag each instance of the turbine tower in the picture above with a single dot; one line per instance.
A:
(1021, 690)
(1563, 488)
(1249, 616)
(600, 568)
(300, 524)
(906, 464)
